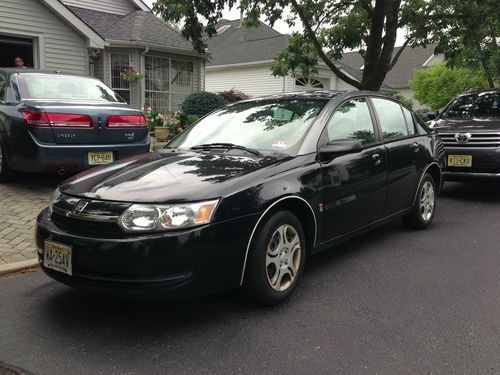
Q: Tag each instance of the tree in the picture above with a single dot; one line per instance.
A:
(330, 27)
(437, 85)
(470, 38)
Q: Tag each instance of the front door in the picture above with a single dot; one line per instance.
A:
(353, 184)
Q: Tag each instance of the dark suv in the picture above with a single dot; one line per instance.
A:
(51, 122)
(470, 129)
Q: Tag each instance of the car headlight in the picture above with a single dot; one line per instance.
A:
(148, 218)
(54, 197)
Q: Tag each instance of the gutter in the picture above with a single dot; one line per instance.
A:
(156, 47)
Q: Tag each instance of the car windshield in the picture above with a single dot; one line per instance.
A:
(266, 125)
(65, 87)
(486, 104)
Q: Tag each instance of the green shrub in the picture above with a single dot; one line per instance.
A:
(201, 103)
(233, 95)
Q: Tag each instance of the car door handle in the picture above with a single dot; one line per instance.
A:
(415, 146)
(377, 159)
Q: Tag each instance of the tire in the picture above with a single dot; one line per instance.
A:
(423, 210)
(6, 174)
(275, 262)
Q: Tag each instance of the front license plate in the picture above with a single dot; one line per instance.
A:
(58, 257)
(460, 160)
(100, 157)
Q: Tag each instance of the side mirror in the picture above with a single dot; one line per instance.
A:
(341, 147)
(431, 115)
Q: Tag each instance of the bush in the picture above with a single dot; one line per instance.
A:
(233, 95)
(201, 103)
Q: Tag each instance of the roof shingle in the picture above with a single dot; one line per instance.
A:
(137, 26)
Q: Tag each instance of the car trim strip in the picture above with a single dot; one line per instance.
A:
(422, 177)
(471, 174)
(260, 219)
(85, 216)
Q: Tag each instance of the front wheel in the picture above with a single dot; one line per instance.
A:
(275, 260)
(423, 210)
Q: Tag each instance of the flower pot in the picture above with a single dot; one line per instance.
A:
(161, 133)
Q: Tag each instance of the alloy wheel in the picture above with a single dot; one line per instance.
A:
(283, 257)
(427, 201)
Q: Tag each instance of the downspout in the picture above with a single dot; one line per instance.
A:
(143, 72)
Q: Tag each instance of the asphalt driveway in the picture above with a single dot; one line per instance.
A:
(390, 302)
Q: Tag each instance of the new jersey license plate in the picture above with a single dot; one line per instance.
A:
(460, 160)
(100, 157)
(57, 256)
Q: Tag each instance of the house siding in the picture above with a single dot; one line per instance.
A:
(108, 6)
(253, 81)
(60, 47)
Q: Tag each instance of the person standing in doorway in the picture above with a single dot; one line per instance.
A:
(19, 62)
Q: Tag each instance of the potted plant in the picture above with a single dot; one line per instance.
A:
(129, 74)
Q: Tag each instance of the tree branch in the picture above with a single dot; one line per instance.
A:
(312, 37)
(398, 54)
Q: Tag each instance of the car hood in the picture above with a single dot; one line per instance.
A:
(168, 176)
(474, 124)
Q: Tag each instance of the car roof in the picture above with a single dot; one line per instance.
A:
(479, 91)
(321, 94)
(12, 70)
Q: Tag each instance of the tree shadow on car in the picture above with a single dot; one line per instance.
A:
(479, 190)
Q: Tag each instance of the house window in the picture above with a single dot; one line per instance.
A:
(118, 63)
(308, 84)
(167, 82)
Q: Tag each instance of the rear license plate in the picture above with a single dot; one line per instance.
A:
(460, 160)
(58, 257)
(100, 157)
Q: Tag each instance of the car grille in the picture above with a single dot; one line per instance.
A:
(477, 140)
(100, 217)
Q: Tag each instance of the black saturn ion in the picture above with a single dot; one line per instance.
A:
(242, 197)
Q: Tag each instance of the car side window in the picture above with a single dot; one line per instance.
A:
(352, 120)
(391, 119)
(3, 85)
(409, 121)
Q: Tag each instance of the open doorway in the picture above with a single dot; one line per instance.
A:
(11, 48)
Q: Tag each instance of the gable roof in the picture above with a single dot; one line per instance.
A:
(239, 44)
(410, 59)
(138, 26)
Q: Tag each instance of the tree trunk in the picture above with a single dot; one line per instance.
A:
(487, 72)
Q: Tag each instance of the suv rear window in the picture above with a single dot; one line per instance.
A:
(485, 104)
(64, 87)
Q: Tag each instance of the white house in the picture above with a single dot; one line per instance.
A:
(242, 59)
(101, 38)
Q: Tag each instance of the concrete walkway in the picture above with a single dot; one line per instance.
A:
(20, 203)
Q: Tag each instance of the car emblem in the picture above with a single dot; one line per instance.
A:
(80, 206)
(462, 137)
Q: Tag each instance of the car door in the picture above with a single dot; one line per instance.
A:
(403, 151)
(354, 183)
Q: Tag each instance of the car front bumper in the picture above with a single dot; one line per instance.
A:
(177, 264)
(485, 163)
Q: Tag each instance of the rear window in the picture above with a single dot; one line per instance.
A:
(64, 87)
(485, 104)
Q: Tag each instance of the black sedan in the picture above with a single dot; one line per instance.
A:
(470, 129)
(51, 122)
(242, 196)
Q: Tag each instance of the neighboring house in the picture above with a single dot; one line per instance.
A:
(241, 58)
(100, 38)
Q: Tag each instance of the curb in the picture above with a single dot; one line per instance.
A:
(18, 266)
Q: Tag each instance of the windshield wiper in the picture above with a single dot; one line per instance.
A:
(228, 146)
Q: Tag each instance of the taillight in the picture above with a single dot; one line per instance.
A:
(126, 121)
(56, 120)
(33, 118)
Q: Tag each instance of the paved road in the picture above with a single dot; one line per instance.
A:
(391, 302)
